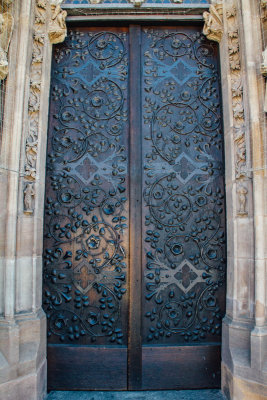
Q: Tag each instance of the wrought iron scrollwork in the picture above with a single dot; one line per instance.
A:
(184, 230)
(85, 252)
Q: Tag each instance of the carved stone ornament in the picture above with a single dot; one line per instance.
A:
(264, 10)
(213, 27)
(6, 28)
(264, 73)
(237, 95)
(242, 200)
(29, 194)
(8, 2)
(57, 31)
(5, 4)
(31, 145)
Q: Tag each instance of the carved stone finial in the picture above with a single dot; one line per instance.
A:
(29, 193)
(6, 28)
(213, 27)
(57, 27)
(242, 199)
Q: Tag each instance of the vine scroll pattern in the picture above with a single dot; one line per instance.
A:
(183, 188)
(86, 242)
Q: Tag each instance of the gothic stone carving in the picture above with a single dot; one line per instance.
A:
(31, 147)
(57, 33)
(237, 95)
(242, 199)
(29, 194)
(213, 27)
(264, 73)
(264, 10)
(6, 28)
(57, 26)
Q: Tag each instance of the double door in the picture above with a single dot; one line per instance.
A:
(134, 239)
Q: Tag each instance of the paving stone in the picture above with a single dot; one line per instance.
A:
(149, 395)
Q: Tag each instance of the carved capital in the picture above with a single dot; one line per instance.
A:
(6, 28)
(213, 27)
(57, 31)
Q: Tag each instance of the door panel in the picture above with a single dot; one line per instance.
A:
(134, 241)
(86, 210)
(183, 203)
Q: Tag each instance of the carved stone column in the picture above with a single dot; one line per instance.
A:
(244, 358)
(22, 321)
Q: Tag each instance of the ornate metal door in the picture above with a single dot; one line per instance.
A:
(134, 248)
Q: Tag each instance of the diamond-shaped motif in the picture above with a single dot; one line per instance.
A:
(84, 277)
(86, 169)
(185, 167)
(181, 72)
(187, 276)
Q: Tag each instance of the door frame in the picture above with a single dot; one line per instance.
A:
(244, 188)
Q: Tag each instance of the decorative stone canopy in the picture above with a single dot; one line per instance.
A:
(213, 27)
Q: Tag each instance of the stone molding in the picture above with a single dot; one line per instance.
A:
(213, 26)
(135, 3)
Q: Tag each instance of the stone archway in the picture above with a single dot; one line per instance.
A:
(22, 325)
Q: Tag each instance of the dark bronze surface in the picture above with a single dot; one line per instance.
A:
(86, 217)
(134, 204)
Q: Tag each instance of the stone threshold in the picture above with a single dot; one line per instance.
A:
(138, 395)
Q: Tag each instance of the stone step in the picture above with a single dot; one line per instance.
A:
(147, 395)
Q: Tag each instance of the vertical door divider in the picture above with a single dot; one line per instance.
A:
(135, 223)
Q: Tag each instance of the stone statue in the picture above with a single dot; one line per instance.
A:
(242, 197)
(213, 27)
(6, 28)
(57, 26)
(29, 194)
(264, 73)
